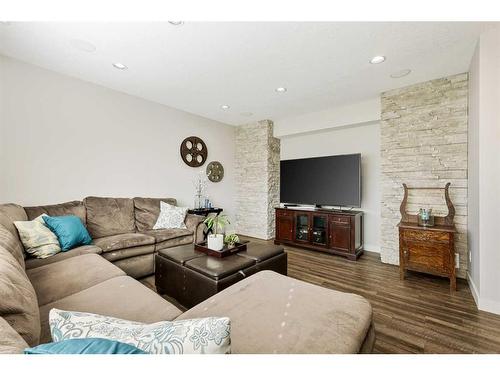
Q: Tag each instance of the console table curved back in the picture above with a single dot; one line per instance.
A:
(439, 220)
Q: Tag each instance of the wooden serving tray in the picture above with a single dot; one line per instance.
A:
(203, 247)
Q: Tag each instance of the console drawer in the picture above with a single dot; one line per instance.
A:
(430, 255)
(414, 235)
(284, 213)
(341, 220)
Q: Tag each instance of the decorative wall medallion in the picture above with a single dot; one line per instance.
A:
(194, 151)
(215, 171)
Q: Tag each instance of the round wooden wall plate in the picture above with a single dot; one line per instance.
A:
(194, 151)
(215, 171)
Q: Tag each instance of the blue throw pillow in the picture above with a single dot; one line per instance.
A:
(69, 230)
(84, 346)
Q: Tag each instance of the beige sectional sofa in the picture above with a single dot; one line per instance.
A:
(121, 229)
(269, 313)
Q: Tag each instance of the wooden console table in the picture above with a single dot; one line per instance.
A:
(329, 231)
(427, 249)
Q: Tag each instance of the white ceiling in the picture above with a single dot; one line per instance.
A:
(199, 66)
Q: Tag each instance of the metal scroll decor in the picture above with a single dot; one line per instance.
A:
(194, 151)
(215, 171)
(439, 220)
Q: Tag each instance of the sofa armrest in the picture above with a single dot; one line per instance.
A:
(195, 224)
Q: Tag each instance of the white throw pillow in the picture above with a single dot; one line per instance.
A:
(195, 336)
(38, 240)
(171, 217)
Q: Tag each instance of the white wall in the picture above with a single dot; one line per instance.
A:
(349, 114)
(484, 171)
(364, 139)
(63, 139)
(473, 171)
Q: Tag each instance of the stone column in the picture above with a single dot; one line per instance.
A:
(424, 144)
(257, 179)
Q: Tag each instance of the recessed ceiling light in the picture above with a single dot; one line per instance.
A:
(246, 114)
(377, 59)
(225, 107)
(401, 73)
(120, 66)
(176, 23)
(280, 89)
(82, 45)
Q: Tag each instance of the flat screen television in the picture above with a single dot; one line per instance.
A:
(322, 181)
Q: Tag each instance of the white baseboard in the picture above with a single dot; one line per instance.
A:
(371, 248)
(473, 289)
(483, 304)
(489, 305)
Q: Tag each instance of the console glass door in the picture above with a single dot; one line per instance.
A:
(319, 230)
(302, 227)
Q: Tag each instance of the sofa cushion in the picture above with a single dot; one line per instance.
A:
(138, 266)
(10, 341)
(166, 238)
(12, 244)
(116, 297)
(147, 210)
(109, 216)
(123, 241)
(61, 279)
(161, 235)
(130, 252)
(186, 240)
(18, 301)
(10, 212)
(290, 316)
(87, 249)
(63, 209)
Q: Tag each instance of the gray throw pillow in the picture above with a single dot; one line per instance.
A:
(171, 217)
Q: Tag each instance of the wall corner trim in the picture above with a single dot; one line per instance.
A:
(473, 289)
(483, 304)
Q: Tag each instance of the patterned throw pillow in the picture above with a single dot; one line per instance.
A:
(37, 239)
(196, 336)
(171, 217)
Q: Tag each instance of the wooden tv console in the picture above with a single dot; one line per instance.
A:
(326, 230)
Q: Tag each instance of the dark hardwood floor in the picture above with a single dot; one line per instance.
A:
(417, 315)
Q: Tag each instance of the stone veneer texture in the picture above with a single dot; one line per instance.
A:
(424, 144)
(257, 179)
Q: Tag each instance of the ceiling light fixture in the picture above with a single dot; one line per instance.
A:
(281, 90)
(176, 23)
(377, 59)
(120, 66)
(401, 73)
(225, 107)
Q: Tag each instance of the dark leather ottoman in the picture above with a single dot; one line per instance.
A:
(191, 277)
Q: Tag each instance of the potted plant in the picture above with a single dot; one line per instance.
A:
(214, 224)
(231, 239)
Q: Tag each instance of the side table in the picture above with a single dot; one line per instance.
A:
(205, 212)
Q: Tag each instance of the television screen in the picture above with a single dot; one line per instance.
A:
(328, 181)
